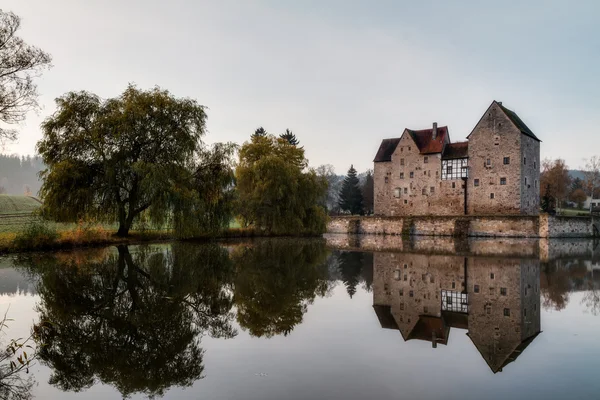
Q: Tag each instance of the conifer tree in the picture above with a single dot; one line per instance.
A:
(290, 137)
(351, 198)
(260, 131)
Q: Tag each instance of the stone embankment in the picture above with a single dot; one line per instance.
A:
(542, 226)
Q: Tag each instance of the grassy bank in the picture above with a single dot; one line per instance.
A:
(48, 237)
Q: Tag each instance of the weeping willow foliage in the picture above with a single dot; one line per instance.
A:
(140, 153)
(277, 193)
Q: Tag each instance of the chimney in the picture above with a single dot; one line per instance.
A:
(500, 102)
(434, 131)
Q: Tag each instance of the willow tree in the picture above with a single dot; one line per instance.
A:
(114, 159)
(277, 193)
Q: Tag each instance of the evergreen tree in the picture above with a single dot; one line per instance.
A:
(547, 205)
(368, 189)
(259, 132)
(350, 267)
(351, 198)
(290, 137)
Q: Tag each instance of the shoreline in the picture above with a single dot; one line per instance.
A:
(136, 238)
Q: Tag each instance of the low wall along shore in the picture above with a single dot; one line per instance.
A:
(542, 226)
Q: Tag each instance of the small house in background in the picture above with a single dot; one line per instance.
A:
(497, 171)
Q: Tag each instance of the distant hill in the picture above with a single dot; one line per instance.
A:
(18, 204)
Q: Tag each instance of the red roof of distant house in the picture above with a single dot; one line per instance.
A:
(425, 141)
(456, 150)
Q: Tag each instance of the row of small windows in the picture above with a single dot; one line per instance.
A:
(502, 182)
(398, 191)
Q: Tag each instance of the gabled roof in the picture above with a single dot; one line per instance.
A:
(425, 142)
(386, 149)
(497, 364)
(518, 122)
(456, 150)
(385, 317)
(513, 117)
(422, 138)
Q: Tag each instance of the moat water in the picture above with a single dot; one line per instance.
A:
(335, 318)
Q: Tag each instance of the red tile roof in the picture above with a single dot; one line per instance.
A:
(425, 141)
(456, 150)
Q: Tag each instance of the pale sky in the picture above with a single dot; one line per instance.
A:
(342, 75)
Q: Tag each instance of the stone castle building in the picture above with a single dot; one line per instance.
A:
(495, 172)
(495, 300)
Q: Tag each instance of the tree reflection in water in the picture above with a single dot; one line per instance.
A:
(275, 282)
(133, 319)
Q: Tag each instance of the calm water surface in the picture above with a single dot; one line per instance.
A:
(310, 319)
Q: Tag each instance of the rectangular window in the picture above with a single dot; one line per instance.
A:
(449, 169)
(476, 288)
(524, 160)
(386, 179)
(405, 201)
(503, 291)
(488, 162)
(507, 312)
(475, 182)
(535, 184)
(432, 189)
(425, 160)
(524, 312)
(525, 181)
(401, 175)
(534, 165)
(453, 285)
(503, 181)
(437, 173)
(402, 161)
(405, 190)
(424, 191)
(401, 292)
(412, 174)
(401, 149)
(401, 306)
(397, 192)
(491, 195)
(492, 275)
(506, 160)
(488, 310)
(453, 185)
(408, 148)
(411, 294)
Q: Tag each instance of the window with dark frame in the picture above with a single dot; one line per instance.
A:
(491, 195)
(425, 160)
(455, 169)
(432, 190)
(507, 312)
(492, 276)
(476, 288)
(506, 160)
(503, 291)
(412, 174)
(503, 181)
(453, 185)
(401, 175)
(402, 161)
(475, 182)
(524, 160)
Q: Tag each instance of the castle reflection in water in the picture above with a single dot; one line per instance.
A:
(497, 300)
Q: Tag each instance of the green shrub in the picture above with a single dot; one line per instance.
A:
(36, 234)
